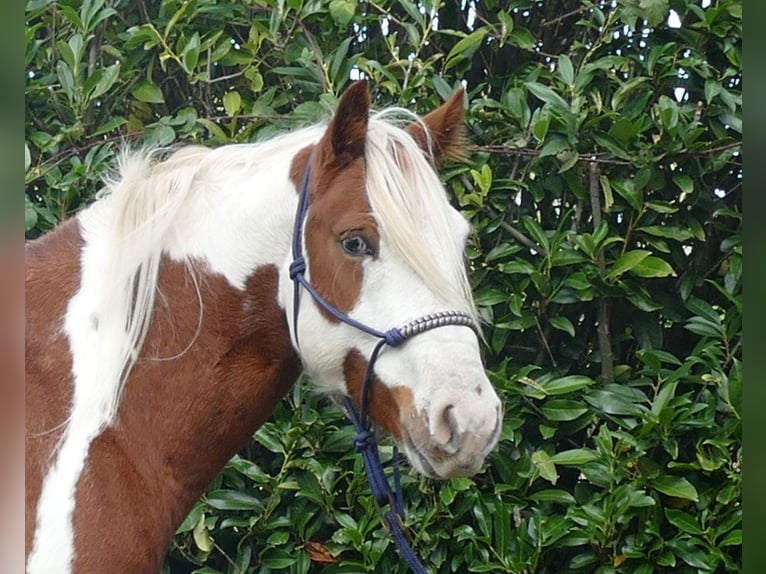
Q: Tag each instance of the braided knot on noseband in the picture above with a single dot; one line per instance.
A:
(434, 320)
(394, 337)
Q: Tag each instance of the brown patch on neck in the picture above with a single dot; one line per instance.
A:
(385, 404)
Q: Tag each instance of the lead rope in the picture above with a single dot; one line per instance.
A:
(365, 442)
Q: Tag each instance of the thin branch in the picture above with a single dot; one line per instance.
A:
(223, 78)
(250, 117)
(229, 559)
(595, 194)
(732, 354)
(530, 152)
(518, 235)
(317, 55)
(387, 13)
(601, 158)
(565, 16)
(577, 217)
(144, 12)
(43, 168)
(512, 176)
(716, 149)
(733, 189)
(602, 307)
(187, 556)
(544, 339)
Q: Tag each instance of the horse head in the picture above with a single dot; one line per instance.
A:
(383, 247)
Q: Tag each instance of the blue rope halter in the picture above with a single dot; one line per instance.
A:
(365, 442)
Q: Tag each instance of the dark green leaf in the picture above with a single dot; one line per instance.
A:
(675, 486)
(554, 495)
(232, 102)
(563, 410)
(733, 538)
(563, 324)
(654, 11)
(147, 91)
(683, 521)
(342, 11)
(278, 563)
(465, 48)
(626, 262)
(566, 70)
(547, 95)
(574, 457)
(653, 267)
(225, 499)
(613, 403)
(106, 80)
(567, 384)
(545, 466)
(30, 214)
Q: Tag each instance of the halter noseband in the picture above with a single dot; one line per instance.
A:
(365, 440)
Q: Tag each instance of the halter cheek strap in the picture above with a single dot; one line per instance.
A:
(365, 442)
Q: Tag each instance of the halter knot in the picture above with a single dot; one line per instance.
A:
(394, 337)
(364, 440)
(297, 267)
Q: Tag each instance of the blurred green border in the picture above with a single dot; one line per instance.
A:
(11, 286)
(754, 212)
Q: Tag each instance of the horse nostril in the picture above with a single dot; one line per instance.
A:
(450, 432)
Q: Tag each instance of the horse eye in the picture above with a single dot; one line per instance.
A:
(355, 246)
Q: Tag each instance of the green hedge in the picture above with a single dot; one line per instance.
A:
(604, 187)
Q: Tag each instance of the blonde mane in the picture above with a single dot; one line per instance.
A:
(412, 209)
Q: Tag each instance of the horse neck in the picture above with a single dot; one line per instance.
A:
(218, 356)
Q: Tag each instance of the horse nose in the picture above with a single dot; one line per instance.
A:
(461, 424)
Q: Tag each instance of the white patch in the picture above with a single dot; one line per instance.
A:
(244, 220)
(232, 208)
(441, 367)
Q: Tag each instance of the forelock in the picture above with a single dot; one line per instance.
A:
(413, 212)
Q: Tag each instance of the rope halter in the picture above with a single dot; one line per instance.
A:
(365, 441)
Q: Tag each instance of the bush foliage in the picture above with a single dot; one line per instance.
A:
(604, 186)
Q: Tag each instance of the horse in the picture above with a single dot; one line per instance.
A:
(165, 321)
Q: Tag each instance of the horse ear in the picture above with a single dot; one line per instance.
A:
(345, 138)
(446, 126)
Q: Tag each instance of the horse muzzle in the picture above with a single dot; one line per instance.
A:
(452, 438)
